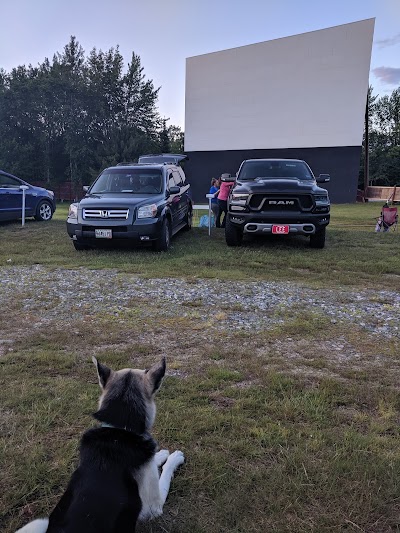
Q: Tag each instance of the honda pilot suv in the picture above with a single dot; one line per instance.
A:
(132, 203)
(277, 196)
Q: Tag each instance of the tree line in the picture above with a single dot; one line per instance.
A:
(69, 118)
(383, 140)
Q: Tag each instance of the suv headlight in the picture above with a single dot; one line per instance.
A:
(51, 193)
(321, 199)
(147, 211)
(73, 211)
(239, 198)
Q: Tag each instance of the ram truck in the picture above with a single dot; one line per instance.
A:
(280, 197)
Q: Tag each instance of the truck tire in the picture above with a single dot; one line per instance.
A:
(163, 243)
(318, 239)
(233, 235)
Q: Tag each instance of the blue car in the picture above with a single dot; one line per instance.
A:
(39, 202)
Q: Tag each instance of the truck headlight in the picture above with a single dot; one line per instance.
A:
(73, 211)
(147, 211)
(321, 199)
(239, 198)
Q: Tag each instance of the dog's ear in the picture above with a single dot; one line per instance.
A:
(155, 375)
(102, 371)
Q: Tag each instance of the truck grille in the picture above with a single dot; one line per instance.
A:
(281, 202)
(104, 214)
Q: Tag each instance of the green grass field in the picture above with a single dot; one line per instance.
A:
(354, 254)
(280, 434)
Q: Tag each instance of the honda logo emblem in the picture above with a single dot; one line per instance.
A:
(104, 214)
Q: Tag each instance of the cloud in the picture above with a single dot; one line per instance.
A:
(391, 41)
(388, 75)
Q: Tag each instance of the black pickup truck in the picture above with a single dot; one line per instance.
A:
(277, 196)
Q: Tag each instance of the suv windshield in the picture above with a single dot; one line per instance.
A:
(129, 180)
(275, 169)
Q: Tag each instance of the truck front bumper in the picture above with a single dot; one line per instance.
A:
(299, 224)
(298, 229)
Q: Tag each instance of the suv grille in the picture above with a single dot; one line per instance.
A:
(281, 202)
(104, 214)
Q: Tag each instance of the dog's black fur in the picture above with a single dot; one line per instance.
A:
(102, 496)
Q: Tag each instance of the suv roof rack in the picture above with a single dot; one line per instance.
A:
(173, 159)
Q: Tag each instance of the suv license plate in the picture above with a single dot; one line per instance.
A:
(280, 230)
(103, 233)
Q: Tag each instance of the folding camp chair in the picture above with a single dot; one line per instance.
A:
(387, 219)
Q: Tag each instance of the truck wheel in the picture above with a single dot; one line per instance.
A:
(318, 239)
(233, 235)
(163, 243)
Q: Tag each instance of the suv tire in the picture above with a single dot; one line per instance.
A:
(44, 211)
(79, 246)
(189, 220)
(233, 235)
(163, 243)
(318, 239)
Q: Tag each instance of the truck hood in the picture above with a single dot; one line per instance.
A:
(278, 185)
(93, 201)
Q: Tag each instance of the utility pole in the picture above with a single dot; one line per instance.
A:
(366, 150)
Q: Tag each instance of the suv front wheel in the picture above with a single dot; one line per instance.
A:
(163, 243)
(44, 211)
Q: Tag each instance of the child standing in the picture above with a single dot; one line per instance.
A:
(214, 201)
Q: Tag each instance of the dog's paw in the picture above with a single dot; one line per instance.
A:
(161, 457)
(176, 459)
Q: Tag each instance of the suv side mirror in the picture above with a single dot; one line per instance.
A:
(86, 188)
(174, 190)
(323, 178)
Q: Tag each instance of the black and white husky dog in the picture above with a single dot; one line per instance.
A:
(117, 481)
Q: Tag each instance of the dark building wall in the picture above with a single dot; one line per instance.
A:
(341, 162)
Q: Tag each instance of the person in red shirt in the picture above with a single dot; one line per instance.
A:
(223, 199)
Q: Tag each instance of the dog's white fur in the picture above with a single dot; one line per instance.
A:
(37, 526)
(153, 489)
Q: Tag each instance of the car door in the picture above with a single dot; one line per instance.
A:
(10, 198)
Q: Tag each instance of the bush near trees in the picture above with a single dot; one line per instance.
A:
(67, 119)
(384, 140)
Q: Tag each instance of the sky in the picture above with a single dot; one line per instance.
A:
(165, 32)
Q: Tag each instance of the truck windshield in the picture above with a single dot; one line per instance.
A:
(129, 180)
(252, 170)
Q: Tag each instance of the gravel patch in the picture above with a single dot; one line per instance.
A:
(60, 295)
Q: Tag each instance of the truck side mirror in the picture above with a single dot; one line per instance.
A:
(323, 178)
